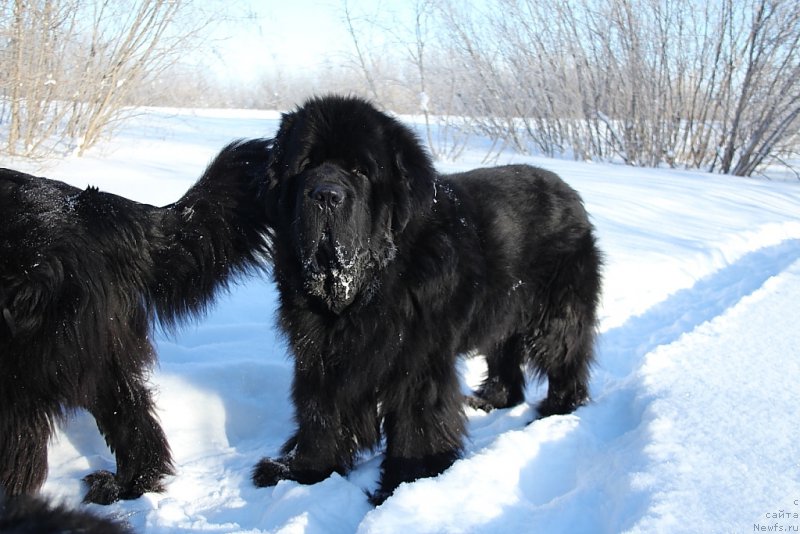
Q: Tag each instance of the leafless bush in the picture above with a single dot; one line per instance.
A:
(71, 66)
(401, 69)
(645, 81)
(713, 86)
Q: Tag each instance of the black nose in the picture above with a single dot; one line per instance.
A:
(330, 195)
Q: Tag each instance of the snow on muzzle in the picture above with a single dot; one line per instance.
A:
(333, 253)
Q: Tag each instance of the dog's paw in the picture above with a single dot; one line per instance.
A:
(377, 497)
(103, 488)
(478, 403)
(561, 404)
(269, 472)
(494, 394)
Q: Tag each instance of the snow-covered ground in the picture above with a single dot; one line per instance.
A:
(694, 420)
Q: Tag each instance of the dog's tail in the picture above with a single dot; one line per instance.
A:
(216, 231)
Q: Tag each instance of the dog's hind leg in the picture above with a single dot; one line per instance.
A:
(565, 360)
(24, 435)
(564, 347)
(557, 343)
(124, 411)
(504, 384)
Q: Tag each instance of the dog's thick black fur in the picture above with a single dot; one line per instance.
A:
(387, 271)
(26, 514)
(83, 275)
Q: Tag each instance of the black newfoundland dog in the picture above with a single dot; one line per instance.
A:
(83, 275)
(387, 271)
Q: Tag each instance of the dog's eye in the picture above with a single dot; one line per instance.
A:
(359, 172)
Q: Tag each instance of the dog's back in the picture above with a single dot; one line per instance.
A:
(65, 251)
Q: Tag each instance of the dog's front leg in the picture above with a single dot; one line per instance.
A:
(24, 433)
(125, 415)
(317, 449)
(425, 429)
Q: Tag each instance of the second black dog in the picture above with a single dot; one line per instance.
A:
(83, 276)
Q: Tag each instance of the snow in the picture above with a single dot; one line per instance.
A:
(693, 424)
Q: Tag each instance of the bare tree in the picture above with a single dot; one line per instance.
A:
(402, 68)
(30, 88)
(768, 98)
(647, 82)
(73, 65)
(442, 130)
(363, 56)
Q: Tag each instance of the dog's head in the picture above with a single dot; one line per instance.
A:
(345, 181)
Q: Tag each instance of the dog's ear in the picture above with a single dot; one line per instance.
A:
(415, 190)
